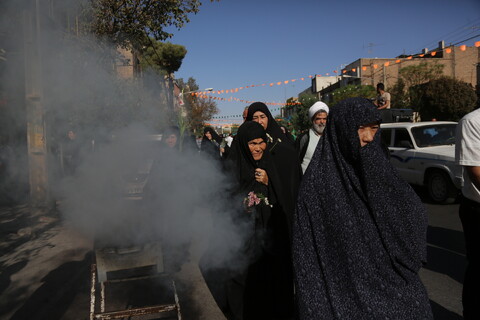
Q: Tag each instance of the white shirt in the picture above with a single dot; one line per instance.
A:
(312, 145)
(467, 150)
(229, 140)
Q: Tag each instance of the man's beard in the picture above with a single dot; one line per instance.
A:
(318, 128)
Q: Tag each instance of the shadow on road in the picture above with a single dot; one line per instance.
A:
(8, 272)
(60, 286)
(440, 313)
(446, 238)
(446, 245)
(423, 194)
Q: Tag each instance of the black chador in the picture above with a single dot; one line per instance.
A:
(359, 233)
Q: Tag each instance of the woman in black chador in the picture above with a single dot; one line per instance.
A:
(266, 284)
(359, 234)
(211, 143)
(283, 154)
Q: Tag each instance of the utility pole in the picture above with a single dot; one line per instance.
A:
(384, 76)
(35, 109)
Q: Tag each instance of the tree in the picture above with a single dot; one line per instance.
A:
(128, 22)
(198, 110)
(350, 91)
(163, 58)
(446, 98)
(405, 93)
(300, 120)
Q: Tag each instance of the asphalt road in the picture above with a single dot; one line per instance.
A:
(443, 273)
(45, 267)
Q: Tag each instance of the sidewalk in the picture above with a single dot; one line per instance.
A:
(40, 260)
(45, 270)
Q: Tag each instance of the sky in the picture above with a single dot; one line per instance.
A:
(238, 43)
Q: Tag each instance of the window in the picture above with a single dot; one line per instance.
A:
(434, 135)
(386, 137)
(402, 139)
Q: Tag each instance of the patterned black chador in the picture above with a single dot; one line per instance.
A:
(359, 233)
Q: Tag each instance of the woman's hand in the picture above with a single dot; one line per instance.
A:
(261, 176)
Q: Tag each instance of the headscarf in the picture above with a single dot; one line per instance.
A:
(175, 131)
(214, 134)
(359, 230)
(284, 157)
(241, 158)
(211, 147)
(288, 134)
(273, 129)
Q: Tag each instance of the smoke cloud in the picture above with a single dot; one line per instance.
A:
(177, 197)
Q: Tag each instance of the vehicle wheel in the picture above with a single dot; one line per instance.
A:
(440, 187)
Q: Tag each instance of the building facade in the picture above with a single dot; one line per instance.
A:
(461, 63)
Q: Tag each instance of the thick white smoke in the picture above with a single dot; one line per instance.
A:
(114, 120)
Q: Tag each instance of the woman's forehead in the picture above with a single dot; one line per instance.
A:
(259, 113)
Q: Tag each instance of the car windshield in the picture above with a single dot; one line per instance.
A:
(434, 135)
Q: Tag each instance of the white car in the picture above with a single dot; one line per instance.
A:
(424, 154)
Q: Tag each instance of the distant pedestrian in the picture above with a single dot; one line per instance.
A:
(171, 137)
(245, 114)
(287, 133)
(359, 236)
(211, 143)
(70, 151)
(383, 98)
(306, 143)
(229, 140)
(467, 154)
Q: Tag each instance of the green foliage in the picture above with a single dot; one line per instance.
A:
(234, 128)
(406, 93)
(162, 57)
(126, 22)
(399, 95)
(421, 73)
(351, 91)
(446, 99)
(300, 120)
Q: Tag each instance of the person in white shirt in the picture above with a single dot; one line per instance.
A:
(467, 154)
(382, 100)
(229, 140)
(306, 143)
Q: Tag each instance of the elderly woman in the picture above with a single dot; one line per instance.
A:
(263, 287)
(359, 236)
(283, 154)
(268, 278)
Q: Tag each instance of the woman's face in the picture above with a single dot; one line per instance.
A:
(171, 140)
(257, 147)
(208, 135)
(367, 132)
(261, 118)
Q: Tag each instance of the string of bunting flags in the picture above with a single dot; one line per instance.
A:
(447, 50)
(240, 116)
(209, 94)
